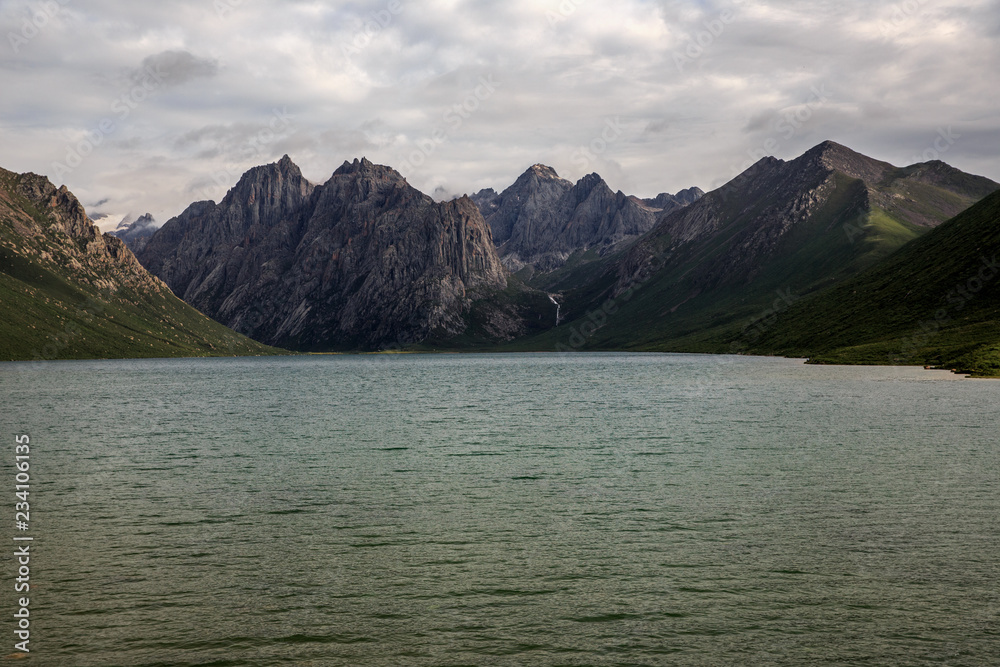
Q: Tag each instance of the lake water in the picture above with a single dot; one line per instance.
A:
(506, 510)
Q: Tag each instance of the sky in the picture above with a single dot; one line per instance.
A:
(147, 107)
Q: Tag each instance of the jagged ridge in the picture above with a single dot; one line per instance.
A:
(364, 260)
(542, 219)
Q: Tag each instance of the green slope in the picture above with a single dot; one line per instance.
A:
(67, 293)
(711, 277)
(934, 302)
(681, 309)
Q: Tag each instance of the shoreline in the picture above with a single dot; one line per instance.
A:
(965, 375)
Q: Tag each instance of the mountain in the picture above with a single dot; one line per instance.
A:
(668, 203)
(779, 231)
(542, 220)
(934, 302)
(364, 261)
(487, 201)
(136, 234)
(69, 292)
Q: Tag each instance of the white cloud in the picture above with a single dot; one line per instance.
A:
(376, 78)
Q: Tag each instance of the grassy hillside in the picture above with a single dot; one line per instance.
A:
(714, 276)
(68, 293)
(681, 309)
(934, 302)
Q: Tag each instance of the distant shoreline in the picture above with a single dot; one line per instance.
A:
(804, 360)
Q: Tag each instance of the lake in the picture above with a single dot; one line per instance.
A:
(592, 509)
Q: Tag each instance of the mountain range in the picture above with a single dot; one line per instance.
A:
(366, 262)
(777, 233)
(541, 220)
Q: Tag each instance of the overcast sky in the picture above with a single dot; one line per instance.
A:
(142, 106)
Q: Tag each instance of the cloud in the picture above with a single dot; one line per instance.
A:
(697, 89)
(175, 67)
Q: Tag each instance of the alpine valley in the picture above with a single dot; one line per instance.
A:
(833, 255)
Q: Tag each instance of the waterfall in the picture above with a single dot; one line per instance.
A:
(552, 298)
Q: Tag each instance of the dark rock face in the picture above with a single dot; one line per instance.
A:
(136, 234)
(667, 203)
(363, 261)
(535, 196)
(543, 219)
(488, 201)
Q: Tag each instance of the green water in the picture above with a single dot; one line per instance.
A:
(506, 510)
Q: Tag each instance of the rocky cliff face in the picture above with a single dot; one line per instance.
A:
(136, 234)
(65, 239)
(362, 261)
(543, 219)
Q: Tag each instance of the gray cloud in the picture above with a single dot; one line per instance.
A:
(696, 89)
(175, 67)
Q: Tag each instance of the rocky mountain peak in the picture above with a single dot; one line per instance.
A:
(266, 195)
(541, 175)
(542, 219)
(942, 174)
(838, 158)
(130, 222)
(65, 237)
(487, 200)
(136, 233)
(667, 202)
(776, 210)
(544, 171)
(590, 186)
(368, 176)
(364, 166)
(365, 260)
(590, 181)
(65, 209)
(689, 196)
(281, 175)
